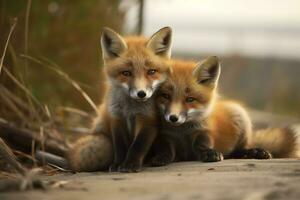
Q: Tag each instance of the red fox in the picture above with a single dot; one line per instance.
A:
(134, 67)
(197, 125)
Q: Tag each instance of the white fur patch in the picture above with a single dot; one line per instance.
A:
(125, 86)
(156, 83)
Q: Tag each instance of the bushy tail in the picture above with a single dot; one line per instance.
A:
(280, 142)
(91, 153)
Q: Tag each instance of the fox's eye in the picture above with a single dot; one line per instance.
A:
(165, 95)
(190, 99)
(126, 73)
(151, 71)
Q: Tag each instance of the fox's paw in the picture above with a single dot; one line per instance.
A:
(257, 153)
(210, 155)
(130, 167)
(160, 160)
(113, 167)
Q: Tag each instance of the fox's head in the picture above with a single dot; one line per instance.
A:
(136, 64)
(190, 91)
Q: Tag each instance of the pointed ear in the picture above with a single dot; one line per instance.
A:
(160, 42)
(112, 44)
(208, 71)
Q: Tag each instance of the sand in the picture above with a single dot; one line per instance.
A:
(229, 179)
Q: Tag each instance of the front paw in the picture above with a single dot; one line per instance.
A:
(160, 160)
(130, 167)
(114, 167)
(210, 155)
(257, 153)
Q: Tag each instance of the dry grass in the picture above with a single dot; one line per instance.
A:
(26, 110)
(7, 42)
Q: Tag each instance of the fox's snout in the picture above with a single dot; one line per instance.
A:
(141, 94)
(175, 119)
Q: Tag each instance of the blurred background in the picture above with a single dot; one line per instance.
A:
(258, 41)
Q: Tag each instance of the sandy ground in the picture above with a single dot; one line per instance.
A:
(229, 179)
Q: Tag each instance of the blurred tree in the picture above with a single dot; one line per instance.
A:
(64, 32)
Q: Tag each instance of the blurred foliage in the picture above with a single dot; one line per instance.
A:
(269, 84)
(266, 84)
(63, 32)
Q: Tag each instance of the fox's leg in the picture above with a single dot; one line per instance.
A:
(120, 142)
(202, 148)
(164, 152)
(145, 133)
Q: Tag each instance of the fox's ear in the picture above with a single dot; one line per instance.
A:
(161, 41)
(112, 44)
(208, 71)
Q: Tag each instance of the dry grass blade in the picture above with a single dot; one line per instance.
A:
(22, 87)
(17, 100)
(22, 154)
(10, 104)
(26, 33)
(67, 78)
(17, 105)
(75, 111)
(7, 42)
(50, 62)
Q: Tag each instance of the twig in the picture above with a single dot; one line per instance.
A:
(26, 33)
(53, 160)
(22, 139)
(42, 143)
(33, 152)
(9, 156)
(67, 78)
(7, 42)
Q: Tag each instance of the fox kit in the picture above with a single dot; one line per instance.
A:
(196, 125)
(134, 67)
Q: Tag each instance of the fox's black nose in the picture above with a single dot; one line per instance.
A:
(173, 118)
(141, 94)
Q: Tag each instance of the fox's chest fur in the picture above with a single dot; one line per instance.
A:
(183, 130)
(121, 104)
(181, 137)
